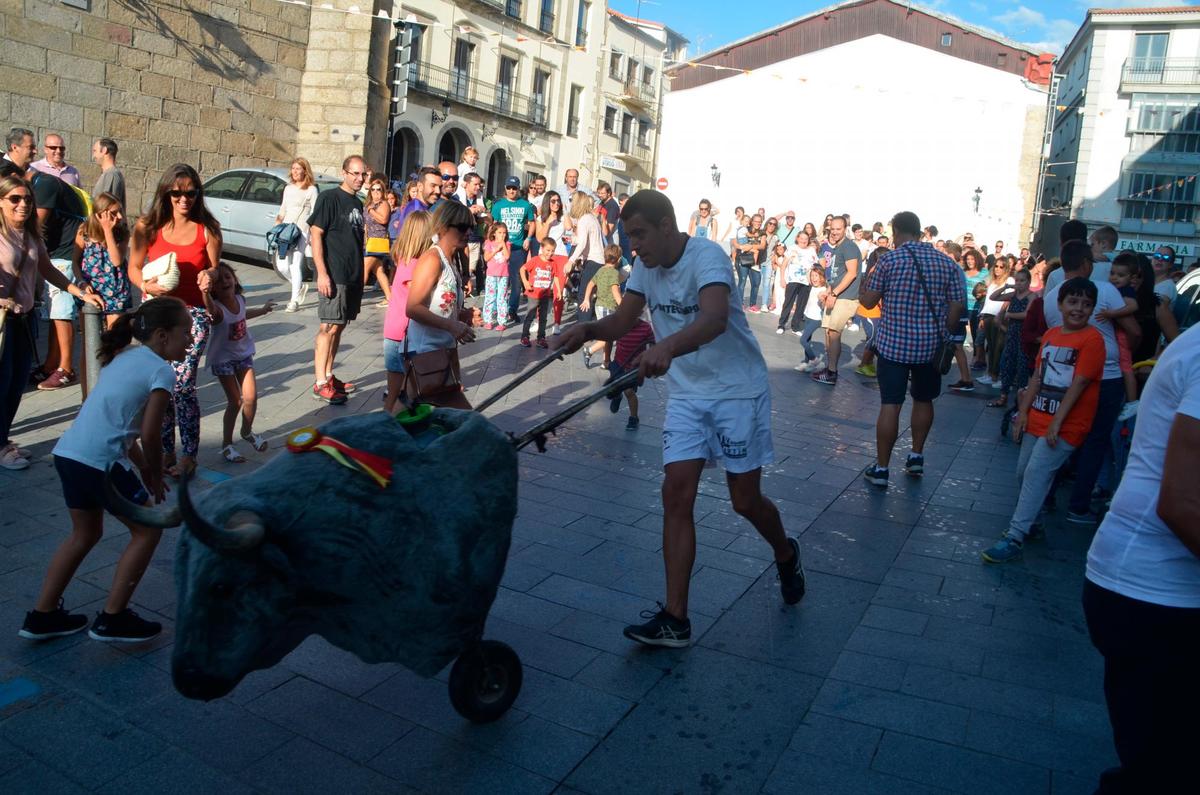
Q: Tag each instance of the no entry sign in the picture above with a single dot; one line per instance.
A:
(662, 183)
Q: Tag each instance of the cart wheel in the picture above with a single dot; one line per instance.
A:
(485, 681)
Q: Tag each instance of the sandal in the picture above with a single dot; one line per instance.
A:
(257, 441)
(230, 454)
(999, 403)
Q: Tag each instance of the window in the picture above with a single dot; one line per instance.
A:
(414, 54)
(227, 186)
(265, 189)
(647, 76)
(1001, 59)
(643, 133)
(460, 74)
(581, 24)
(1167, 123)
(538, 110)
(626, 133)
(546, 20)
(614, 65)
(1149, 57)
(610, 120)
(573, 111)
(1159, 197)
(947, 39)
(504, 84)
(631, 71)
(513, 8)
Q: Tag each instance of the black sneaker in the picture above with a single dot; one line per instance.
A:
(876, 475)
(55, 624)
(791, 575)
(963, 386)
(632, 424)
(914, 466)
(124, 627)
(663, 629)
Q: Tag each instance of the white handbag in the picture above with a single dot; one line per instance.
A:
(164, 270)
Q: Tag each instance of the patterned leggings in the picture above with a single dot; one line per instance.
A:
(1014, 371)
(186, 407)
(495, 299)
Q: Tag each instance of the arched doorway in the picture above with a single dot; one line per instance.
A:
(498, 169)
(452, 144)
(406, 154)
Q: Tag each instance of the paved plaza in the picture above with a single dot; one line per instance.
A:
(909, 667)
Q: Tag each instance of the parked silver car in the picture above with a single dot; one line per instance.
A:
(245, 201)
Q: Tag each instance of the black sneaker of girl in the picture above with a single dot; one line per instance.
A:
(55, 624)
(124, 627)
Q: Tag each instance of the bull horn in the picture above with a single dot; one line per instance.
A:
(139, 514)
(243, 530)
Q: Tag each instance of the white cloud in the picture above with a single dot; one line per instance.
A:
(1031, 26)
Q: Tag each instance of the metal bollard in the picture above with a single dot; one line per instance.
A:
(93, 324)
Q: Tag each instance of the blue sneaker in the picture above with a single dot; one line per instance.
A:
(876, 476)
(1003, 551)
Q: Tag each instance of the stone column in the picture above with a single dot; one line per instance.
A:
(344, 90)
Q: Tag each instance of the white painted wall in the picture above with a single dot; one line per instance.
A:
(869, 127)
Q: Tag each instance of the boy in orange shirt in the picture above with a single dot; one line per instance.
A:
(540, 279)
(1055, 411)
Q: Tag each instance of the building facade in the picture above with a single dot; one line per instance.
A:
(868, 107)
(1125, 148)
(257, 82)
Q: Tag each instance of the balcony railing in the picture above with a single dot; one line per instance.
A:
(471, 90)
(635, 91)
(1161, 72)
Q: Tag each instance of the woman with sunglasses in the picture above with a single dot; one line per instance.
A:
(23, 261)
(553, 222)
(703, 223)
(378, 246)
(991, 317)
(436, 318)
(178, 222)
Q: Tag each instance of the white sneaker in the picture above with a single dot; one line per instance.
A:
(855, 361)
(778, 331)
(557, 329)
(11, 459)
(292, 307)
(303, 294)
(1128, 411)
(985, 380)
(804, 367)
(852, 327)
(798, 333)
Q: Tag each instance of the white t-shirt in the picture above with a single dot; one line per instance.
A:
(1107, 297)
(991, 307)
(1166, 289)
(1100, 271)
(732, 365)
(111, 417)
(813, 309)
(1134, 553)
(799, 263)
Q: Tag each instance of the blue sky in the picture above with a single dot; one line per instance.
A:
(1045, 24)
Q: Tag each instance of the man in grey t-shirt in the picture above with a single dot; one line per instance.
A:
(104, 154)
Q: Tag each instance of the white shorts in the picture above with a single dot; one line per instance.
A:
(736, 431)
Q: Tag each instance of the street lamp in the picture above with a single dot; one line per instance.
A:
(438, 118)
(975, 200)
(716, 176)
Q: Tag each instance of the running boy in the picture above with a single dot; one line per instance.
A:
(1055, 411)
(720, 403)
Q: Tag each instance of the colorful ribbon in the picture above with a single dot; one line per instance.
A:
(376, 467)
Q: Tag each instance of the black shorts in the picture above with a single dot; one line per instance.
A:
(83, 486)
(343, 306)
(616, 371)
(893, 377)
(960, 336)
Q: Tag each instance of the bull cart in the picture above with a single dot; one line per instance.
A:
(386, 536)
(486, 677)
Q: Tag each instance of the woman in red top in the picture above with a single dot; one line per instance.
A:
(179, 222)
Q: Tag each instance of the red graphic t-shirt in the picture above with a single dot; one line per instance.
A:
(540, 274)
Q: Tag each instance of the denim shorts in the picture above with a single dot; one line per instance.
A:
(233, 367)
(62, 304)
(393, 356)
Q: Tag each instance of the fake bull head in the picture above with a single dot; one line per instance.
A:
(306, 546)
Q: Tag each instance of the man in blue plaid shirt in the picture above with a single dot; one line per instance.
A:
(914, 321)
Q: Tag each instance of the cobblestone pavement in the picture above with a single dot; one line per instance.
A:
(909, 666)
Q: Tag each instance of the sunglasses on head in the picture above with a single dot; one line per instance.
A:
(19, 198)
(181, 194)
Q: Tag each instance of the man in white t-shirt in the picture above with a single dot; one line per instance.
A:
(1142, 593)
(720, 400)
(1103, 242)
(1077, 262)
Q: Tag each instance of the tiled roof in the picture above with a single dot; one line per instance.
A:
(1136, 10)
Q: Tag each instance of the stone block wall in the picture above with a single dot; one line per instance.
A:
(213, 84)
